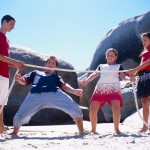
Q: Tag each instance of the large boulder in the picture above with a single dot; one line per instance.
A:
(19, 92)
(125, 38)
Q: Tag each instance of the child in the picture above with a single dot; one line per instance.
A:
(46, 93)
(7, 24)
(107, 89)
(143, 87)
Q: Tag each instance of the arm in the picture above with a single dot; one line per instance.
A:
(18, 64)
(90, 78)
(123, 76)
(20, 79)
(70, 89)
(138, 68)
(126, 78)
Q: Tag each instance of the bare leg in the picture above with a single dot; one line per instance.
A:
(116, 115)
(2, 127)
(79, 123)
(93, 114)
(145, 105)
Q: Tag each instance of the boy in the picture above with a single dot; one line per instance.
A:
(46, 93)
(7, 24)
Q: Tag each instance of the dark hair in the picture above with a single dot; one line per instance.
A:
(113, 50)
(7, 18)
(52, 57)
(147, 34)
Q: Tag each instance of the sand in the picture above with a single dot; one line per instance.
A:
(64, 137)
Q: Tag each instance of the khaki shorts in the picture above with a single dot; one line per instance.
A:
(4, 86)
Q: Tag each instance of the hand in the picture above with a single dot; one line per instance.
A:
(132, 78)
(131, 71)
(83, 82)
(18, 77)
(19, 64)
(78, 92)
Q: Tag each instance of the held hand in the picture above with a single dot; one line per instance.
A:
(78, 92)
(132, 78)
(83, 82)
(20, 65)
(18, 77)
(131, 72)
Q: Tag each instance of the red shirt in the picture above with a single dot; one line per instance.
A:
(145, 56)
(4, 47)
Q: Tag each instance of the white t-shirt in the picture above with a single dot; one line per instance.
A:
(109, 80)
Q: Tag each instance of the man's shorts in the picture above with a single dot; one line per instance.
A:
(4, 86)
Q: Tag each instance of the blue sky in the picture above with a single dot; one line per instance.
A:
(71, 29)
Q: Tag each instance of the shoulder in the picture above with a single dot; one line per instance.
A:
(145, 52)
(120, 67)
(98, 67)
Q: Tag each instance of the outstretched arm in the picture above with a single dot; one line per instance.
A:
(138, 68)
(18, 64)
(90, 78)
(126, 78)
(70, 89)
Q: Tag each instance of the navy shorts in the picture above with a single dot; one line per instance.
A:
(143, 87)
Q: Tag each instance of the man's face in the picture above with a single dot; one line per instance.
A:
(51, 63)
(8, 26)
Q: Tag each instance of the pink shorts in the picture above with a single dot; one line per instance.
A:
(107, 97)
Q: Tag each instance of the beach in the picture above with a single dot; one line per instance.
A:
(65, 137)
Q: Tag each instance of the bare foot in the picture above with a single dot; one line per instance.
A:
(2, 130)
(93, 132)
(12, 133)
(144, 129)
(118, 131)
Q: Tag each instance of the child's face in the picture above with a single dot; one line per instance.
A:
(9, 25)
(145, 41)
(51, 63)
(111, 57)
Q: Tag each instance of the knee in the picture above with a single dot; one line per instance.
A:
(93, 111)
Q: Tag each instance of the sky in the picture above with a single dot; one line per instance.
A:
(70, 29)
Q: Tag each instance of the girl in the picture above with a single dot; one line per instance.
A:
(107, 89)
(143, 87)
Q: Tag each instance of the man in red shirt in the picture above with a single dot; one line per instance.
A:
(7, 24)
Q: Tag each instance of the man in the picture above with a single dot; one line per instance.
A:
(7, 24)
(46, 93)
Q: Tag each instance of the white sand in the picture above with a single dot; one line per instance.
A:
(63, 137)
